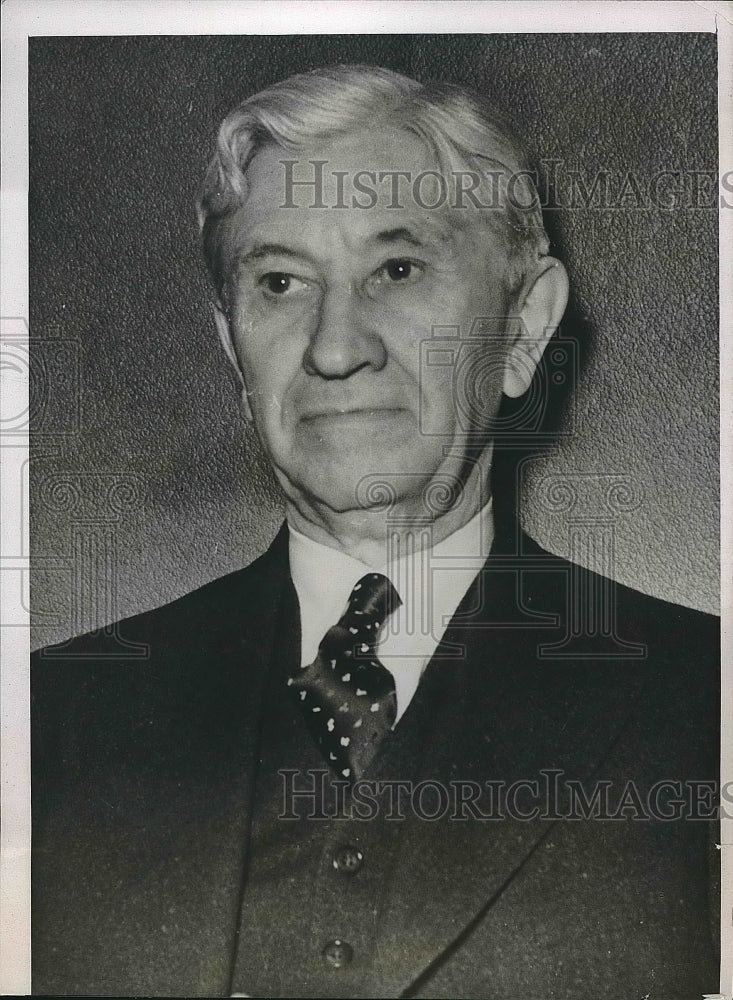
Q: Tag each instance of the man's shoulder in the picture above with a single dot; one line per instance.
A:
(136, 680)
(674, 645)
(546, 569)
(665, 656)
(228, 602)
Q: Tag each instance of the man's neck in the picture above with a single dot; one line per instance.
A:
(369, 535)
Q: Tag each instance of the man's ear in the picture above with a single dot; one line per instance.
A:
(541, 310)
(225, 337)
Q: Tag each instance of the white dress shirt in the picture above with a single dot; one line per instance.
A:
(431, 581)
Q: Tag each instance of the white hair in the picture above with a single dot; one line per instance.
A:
(457, 124)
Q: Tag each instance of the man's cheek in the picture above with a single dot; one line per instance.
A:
(437, 406)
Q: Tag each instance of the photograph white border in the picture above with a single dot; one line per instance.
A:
(28, 18)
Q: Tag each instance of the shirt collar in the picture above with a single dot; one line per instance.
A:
(324, 577)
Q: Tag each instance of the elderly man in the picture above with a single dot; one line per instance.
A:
(389, 758)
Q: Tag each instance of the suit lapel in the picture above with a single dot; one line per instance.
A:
(499, 712)
(194, 886)
(234, 728)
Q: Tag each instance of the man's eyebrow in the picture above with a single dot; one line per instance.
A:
(424, 239)
(261, 250)
(398, 235)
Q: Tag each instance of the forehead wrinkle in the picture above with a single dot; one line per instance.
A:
(444, 234)
(417, 236)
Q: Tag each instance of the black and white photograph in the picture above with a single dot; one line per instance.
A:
(365, 555)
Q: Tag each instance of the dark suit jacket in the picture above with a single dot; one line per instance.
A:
(146, 743)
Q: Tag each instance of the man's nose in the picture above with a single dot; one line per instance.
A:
(344, 340)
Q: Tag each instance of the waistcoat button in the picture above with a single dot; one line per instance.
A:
(338, 953)
(348, 860)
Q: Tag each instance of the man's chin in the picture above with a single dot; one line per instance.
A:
(370, 489)
(355, 494)
(360, 471)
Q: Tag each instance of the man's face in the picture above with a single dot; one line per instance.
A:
(329, 308)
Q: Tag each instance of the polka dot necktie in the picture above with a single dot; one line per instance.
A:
(347, 696)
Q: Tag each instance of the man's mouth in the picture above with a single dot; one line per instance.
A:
(353, 413)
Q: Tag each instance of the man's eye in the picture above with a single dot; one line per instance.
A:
(278, 283)
(399, 270)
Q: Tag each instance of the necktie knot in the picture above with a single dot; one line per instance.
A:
(370, 603)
